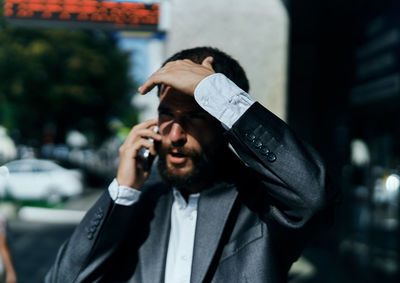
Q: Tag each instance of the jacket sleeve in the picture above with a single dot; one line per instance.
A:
(89, 254)
(290, 182)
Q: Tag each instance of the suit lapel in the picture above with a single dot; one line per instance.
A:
(214, 207)
(154, 250)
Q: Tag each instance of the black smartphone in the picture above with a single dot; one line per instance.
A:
(145, 156)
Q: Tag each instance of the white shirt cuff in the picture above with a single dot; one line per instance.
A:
(222, 98)
(123, 195)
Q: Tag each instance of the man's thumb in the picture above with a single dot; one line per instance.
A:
(207, 62)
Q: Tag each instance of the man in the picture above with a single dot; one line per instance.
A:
(214, 217)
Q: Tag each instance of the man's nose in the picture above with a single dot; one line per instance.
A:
(177, 134)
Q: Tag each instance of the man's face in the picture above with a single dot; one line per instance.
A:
(190, 140)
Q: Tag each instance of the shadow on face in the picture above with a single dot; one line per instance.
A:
(190, 138)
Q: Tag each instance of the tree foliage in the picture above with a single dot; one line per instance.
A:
(61, 80)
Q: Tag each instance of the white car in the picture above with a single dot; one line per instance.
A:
(39, 179)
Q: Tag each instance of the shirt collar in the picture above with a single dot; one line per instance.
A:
(180, 200)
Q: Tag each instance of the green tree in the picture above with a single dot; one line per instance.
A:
(68, 79)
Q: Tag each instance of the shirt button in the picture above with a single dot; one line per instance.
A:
(184, 258)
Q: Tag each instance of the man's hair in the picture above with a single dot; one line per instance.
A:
(223, 63)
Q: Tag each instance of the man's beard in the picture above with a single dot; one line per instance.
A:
(203, 168)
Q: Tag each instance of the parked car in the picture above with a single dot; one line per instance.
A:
(39, 179)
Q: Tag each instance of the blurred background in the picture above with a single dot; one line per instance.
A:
(69, 70)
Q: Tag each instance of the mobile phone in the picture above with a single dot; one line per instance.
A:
(145, 156)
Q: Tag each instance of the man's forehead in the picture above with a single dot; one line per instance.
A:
(175, 100)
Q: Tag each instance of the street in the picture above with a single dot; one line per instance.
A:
(34, 246)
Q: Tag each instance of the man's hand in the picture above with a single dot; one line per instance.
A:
(182, 75)
(130, 171)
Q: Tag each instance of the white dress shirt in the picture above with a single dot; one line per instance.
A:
(221, 98)
(181, 238)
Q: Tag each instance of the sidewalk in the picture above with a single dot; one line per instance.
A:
(70, 212)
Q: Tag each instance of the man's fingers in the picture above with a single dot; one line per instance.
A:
(147, 86)
(148, 133)
(151, 82)
(183, 75)
(207, 62)
(144, 125)
(149, 123)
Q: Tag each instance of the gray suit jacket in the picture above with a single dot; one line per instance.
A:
(250, 227)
